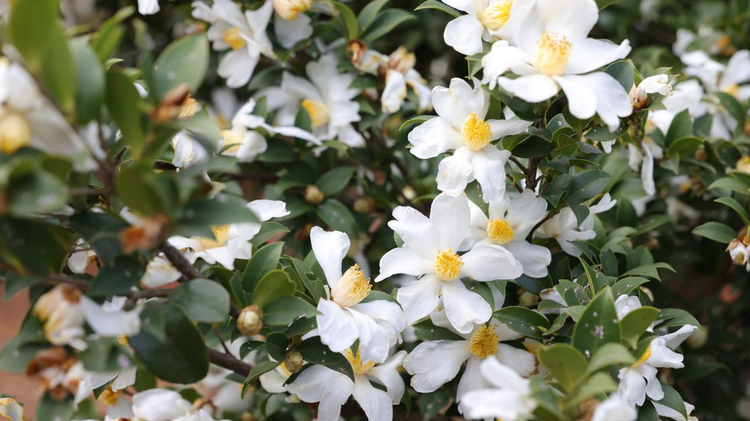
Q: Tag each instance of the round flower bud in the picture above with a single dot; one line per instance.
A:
(364, 205)
(293, 361)
(698, 338)
(313, 195)
(250, 320)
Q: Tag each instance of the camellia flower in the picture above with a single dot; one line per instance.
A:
(508, 224)
(117, 405)
(484, 19)
(163, 404)
(80, 260)
(343, 317)
(651, 85)
(10, 409)
(326, 97)
(27, 118)
(332, 388)
(434, 363)
(686, 95)
(109, 319)
(615, 408)
(551, 51)
(61, 312)
(509, 398)
(159, 272)
(399, 72)
(243, 33)
(187, 150)
(642, 157)
(461, 127)
(230, 241)
(565, 229)
(148, 7)
(291, 25)
(429, 251)
(640, 379)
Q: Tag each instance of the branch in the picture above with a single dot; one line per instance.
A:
(229, 362)
(178, 260)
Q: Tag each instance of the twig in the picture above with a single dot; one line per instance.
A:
(229, 362)
(178, 260)
(515, 160)
(149, 293)
(221, 340)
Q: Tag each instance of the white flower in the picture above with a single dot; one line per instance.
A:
(685, 96)
(148, 7)
(326, 97)
(428, 252)
(552, 294)
(667, 412)
(332, 388)
(565, 229)
(61, 312)
(399, 73)
(291, 25)
(640, 379)
(509, 399)
(550, 51)
(166, 405)
(739, 254)
(461, 127)
(109, 319)
(651, 85)
(642, 157)
(484, 19)
(120, 380)
(231, 241)
(242, 33)
(434, 363)
(27, 118)
(187, 150)
(508, 225)
(343, 317)
(80, 260)
(624, 304)
(615, 408)
(10, 409)
(159, 272)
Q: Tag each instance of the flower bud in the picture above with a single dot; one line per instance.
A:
(648, 293)
(250, 320)
(313, 195)
(698, 338)
(364, 205)
(527, 299)
(293, 361)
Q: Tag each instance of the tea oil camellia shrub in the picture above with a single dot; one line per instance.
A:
(304, 210)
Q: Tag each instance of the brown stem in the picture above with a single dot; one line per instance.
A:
(229, 362)
(221, 340)
(178, 260)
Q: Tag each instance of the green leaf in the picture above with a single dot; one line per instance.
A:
(101, 231)
(33, 247)
(335, 180)
(118, 277)
(338, 217)
(197, 215)
(143, 191)
(90, 80)
(674, 317)
(586, 185)
(649, 270)
(276, 345)
(682, 126)
(685, 145)
(523, 320)
(438, 5)
(636, 322)
(170, 345)
(598, 324)
(427, 331)
(369, 13)
(385, 23)
(627, 285)
(565, 363)
(123, 103)
(268, 230)
(54, 410)
(605, 3)
(736, 206)
(598, 384)
(609, 354)
(260, 369)
(202, 300)
(284, 311)
(35, 191)
(673, 400)
(101, 355)
(272, 286)
(416, 120)
(263, 261)
(716, 231)
(733, 107)
(348, 20)
(730, 184)
(314, 351)
(110, 33)
(621, 70)
(182, 62)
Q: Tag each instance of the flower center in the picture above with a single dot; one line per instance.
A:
(476, 133)
(352, 288)
(123, 340)
(233, 38)
(552, 53)
(356, 362)
(289, 9)
(733, 90)
(221, 234)
(109, 397)
(743, 164)
(483, 342)
(500, 231)
(643, 358)
(448, 265)
(232, 140)
(188, 108)
(402, 60)
(496, 15)
(318, 112)
(15, 132)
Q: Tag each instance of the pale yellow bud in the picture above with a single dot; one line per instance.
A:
(313, 195)
(250, 320)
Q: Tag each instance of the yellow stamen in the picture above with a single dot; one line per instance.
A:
(483, 342)
(352, 288)
(221, 234)
(500, 231)
(476, 133)
(318, 112)
(402, 60)
(123, 340)
(552, 54)
(233, 38)
(743, 164)
(188, 108)
(109, 397)
(232, 140)
(496, 15)
(15, 132)
(643, 358)
(289, 9)
(356, 362)
(733, 90)
(448, 265)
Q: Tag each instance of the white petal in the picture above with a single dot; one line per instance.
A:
(394, 91)
(290, 32)
(632, 386)
(373, 338)
(387, 374)
(434, 363)
(403, 260)
(148, 7)
(521, 361)
(267, 209)
(321, 384)
(420, 297)
(456, 102)
(464, 34)
(572, 18)
(674, 339)
(433, 137)
(416, 230)
(376, 403)
(590, 54)
(471, 380)
(611, 103)
(502, 128)
(337, 328)
(159, 405)
(581, 96)
(489, 262)
(489, 169)
(534, 259)
(501, 58)
(464, 308)
(330, 248)
(533, 88)
(450, 215)
(237, 67)
(455, 172)
(111, 323)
